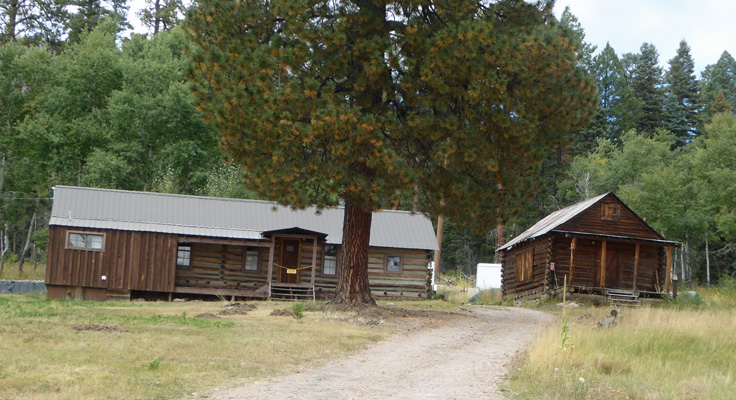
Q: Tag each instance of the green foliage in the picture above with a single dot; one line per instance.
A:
(646, 83)
(727, 282)
(154, 365)
(40, 238)
(719, 78)
(364, 133)
(618, 108)
(298, 310)
(687, 301)
(463, 249)
(683, 107)
(160, 15)
(32, 22)
(90, 14)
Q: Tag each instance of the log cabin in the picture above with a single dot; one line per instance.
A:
(114, 244)
(598, 246)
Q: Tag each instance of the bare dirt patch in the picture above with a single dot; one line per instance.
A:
(100, 328)
(445, 356)
(282, 312)
(206, 315)
(237, 309)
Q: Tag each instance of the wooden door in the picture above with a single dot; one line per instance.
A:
(612, 257)
(613, 269)
(290, 257)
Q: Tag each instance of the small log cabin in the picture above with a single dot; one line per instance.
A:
(600, 245)
(114, 244)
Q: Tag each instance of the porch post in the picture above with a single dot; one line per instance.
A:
(668, 272)
(636, 264)
(269, 278)
(572, 258)
(314, 259)
(603, 264)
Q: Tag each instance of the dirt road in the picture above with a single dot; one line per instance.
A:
(464, 359)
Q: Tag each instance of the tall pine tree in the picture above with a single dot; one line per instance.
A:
(719, 77)
(683, 96)
(361, 99)
(619, 107)
(91, 13)
(32, 21)
(646, 83)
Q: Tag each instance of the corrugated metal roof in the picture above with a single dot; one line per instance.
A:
(553, 220)
(225, 218)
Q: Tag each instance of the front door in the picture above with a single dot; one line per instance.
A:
(290, 256)
(613, 270)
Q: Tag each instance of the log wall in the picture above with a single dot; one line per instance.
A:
(540, 272)
(587, 263)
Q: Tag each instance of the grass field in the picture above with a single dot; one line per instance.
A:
(11, 272)
(158, 350)
(680, 350)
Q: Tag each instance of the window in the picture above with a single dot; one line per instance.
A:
(329, 266)
(184, 255)
(251, 259)
(524, 266)
(88, 241)
(610, 212)
(393, 264)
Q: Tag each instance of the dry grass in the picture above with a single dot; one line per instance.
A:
(67, 350)
(11, 272)
(685, 350)
(460, 294)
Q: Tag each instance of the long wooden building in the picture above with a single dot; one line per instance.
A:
(117, 244)
(599, 245)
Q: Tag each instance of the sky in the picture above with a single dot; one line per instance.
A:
(707, 25)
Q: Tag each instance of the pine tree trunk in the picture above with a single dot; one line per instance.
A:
(352, 285)
(438, 253)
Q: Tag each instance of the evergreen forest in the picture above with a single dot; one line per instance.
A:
(84, 104)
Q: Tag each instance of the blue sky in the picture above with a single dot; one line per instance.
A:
(707, 25)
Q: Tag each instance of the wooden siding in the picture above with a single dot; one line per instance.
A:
(591, 221)
(145, 261)
(130, 261)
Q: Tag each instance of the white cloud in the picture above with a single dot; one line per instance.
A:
(706, 26)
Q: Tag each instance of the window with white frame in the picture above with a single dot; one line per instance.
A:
(87, 241)
(184, 255)
(251, 259)
(329, 266)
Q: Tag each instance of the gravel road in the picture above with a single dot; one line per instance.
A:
(463, 359)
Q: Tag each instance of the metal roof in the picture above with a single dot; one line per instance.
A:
(225, 218)
(552, 221)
